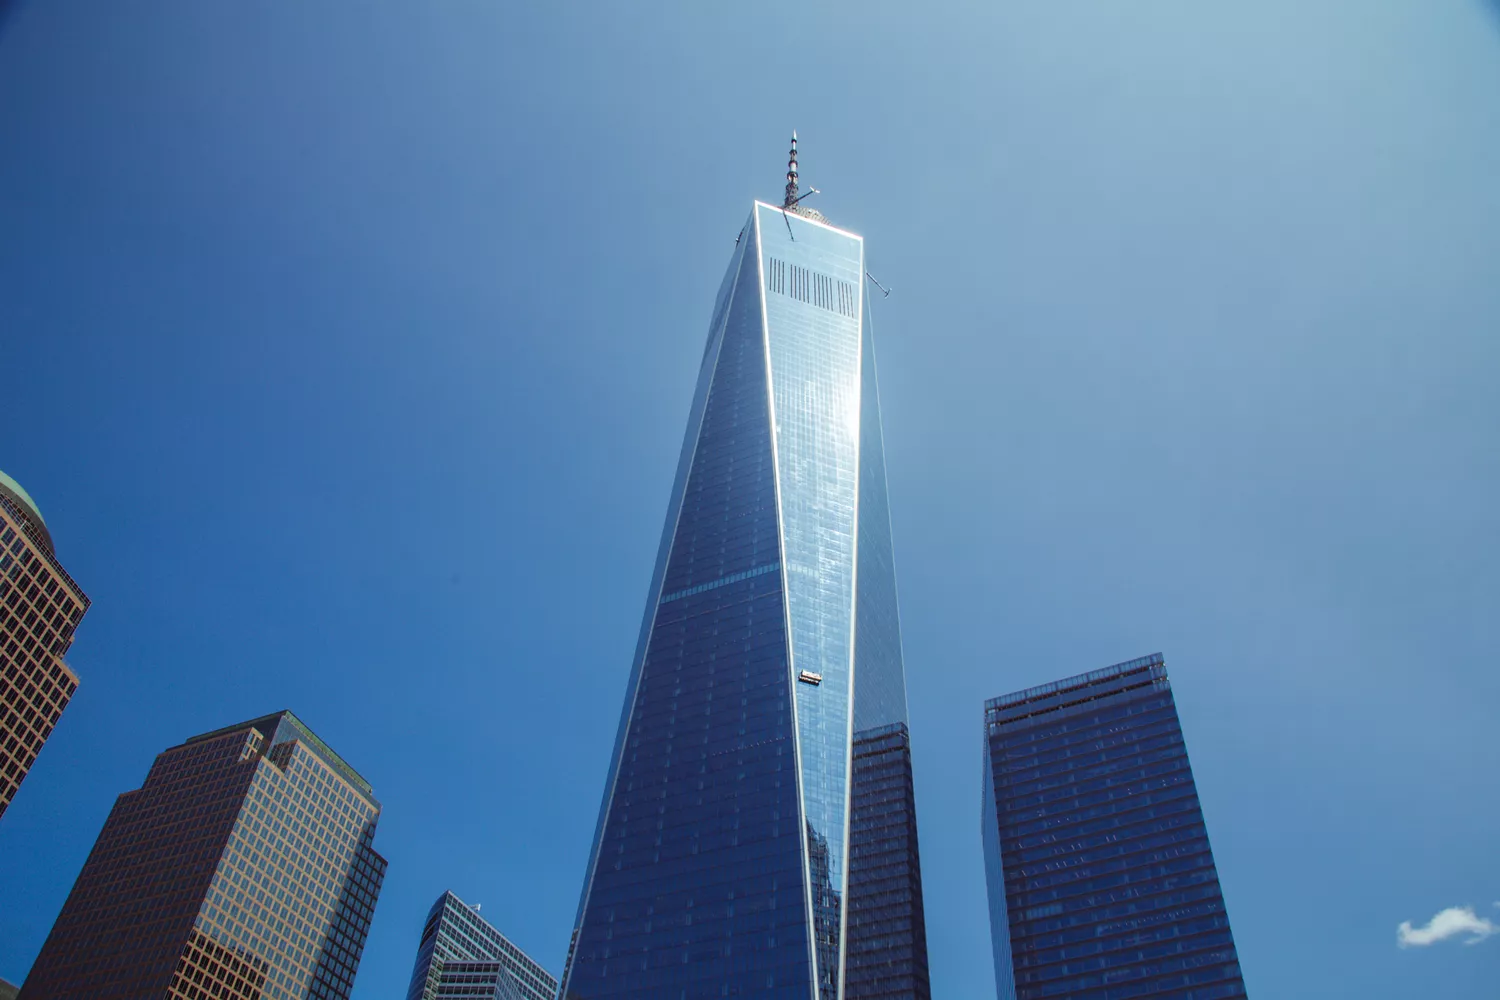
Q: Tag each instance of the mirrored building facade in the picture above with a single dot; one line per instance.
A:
(1102, 885)
(461, 955)
(243, 868)
(726, 858)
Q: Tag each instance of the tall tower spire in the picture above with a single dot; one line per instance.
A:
(791, 175)
(767, 685)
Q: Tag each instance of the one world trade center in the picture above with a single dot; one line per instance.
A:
(758, 836)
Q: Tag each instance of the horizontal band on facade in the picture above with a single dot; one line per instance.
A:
(722, 581)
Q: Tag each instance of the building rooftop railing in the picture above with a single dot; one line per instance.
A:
(1072, 695)
(44, 547)
(1093, 676)
(269, 726)
(876, 732)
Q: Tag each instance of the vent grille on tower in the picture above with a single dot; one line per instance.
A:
(816, 289)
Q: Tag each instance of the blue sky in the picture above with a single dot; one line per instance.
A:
(347, 349)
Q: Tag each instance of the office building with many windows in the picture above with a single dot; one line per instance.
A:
(40, 606)
(461, 955)
(887, 951)
(736, 818)
(1101, 882)
(243, 868)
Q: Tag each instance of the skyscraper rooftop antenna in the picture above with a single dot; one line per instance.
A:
(793, 200)
(791, 175)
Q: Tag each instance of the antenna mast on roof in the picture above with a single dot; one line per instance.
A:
(791, 175)
(793, 200)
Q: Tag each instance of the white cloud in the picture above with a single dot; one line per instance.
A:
(1452, 922)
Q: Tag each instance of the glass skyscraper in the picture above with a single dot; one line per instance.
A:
(243, 868)
(730, 850)
(461, 955)
(1101, 882)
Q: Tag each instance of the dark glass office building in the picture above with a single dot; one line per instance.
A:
(460, 955)
(1101, 882)
(737, 818)
(887, 950)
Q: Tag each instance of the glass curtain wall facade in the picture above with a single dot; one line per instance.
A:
(1102, 885)
(461, 955)
(40, 606)
(721, 865)
(243, 868)
(887, 953)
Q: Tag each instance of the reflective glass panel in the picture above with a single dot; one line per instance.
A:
(813, 274)
(879, 677)
(697, 884)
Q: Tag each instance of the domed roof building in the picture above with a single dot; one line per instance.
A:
(40, 607)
